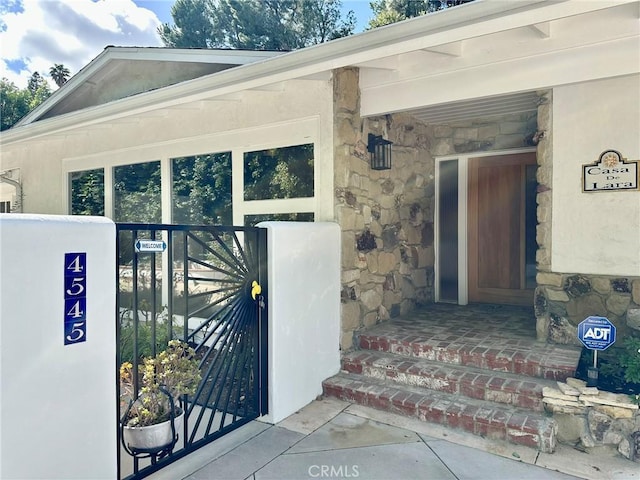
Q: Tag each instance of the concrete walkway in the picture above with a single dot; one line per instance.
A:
(330, 438)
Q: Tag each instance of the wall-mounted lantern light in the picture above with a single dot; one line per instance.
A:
(380, 150)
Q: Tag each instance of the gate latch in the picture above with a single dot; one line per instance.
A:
(256, 290)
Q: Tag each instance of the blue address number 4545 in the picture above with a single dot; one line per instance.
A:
(75, 298)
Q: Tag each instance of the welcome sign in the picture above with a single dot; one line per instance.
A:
(609, 173)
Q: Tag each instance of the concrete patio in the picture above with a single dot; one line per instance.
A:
(331, 438)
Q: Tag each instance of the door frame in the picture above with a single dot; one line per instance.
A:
(463, 244)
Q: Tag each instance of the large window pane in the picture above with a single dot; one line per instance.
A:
(253, 220)
(279, 173)
(201, 188)
(87, 192)
(137, 193)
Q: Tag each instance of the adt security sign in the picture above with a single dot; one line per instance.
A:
(597, 333)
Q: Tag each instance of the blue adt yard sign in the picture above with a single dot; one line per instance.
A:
(597, 333)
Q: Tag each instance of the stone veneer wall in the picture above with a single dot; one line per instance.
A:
(593, 418)
(386, 216)
(484, 134)
(563, 300)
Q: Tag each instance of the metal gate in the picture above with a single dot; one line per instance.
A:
(206, 286)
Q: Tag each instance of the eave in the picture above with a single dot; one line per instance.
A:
(476, 19)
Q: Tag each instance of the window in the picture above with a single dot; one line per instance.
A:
(285, 172)
(253, 220)
(137, 193)
(448, 231)
(87, 192)
(5, 207)
(201, 189)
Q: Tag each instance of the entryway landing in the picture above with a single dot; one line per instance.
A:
(495, 337)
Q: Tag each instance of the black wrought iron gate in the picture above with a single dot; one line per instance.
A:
(206, 286)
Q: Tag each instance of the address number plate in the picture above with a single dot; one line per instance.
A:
(75, 298)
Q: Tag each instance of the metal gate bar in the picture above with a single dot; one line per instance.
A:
(207, 286)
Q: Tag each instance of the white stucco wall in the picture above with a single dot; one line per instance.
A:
(289, 113)
(595, 233)
(58, 404)
(304, 312)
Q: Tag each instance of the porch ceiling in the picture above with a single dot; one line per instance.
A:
(498, 71)
(482, 107)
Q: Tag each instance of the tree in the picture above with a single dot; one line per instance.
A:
(59, 73)
(137, 193)
(193, 26)
(255, 24)
(87, 192)
(15, 103)
(285, 172)
(35, 82)
(392, 11)
(202, 189)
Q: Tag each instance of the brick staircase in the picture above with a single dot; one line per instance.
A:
(485, 377)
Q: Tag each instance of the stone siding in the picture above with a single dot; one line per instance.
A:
(386, 216)
(562, 301)
(484, 134)
(544, 155)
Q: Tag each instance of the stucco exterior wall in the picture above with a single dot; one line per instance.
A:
(294, 112)
(386, 216)
(589, 243)
(595, 233)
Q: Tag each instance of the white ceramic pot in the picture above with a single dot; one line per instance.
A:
(151, 436)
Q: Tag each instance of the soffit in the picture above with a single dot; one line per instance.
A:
(123, 72)
(477, 108)
(123, 78)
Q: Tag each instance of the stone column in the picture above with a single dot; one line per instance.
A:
(385, 216)
(543, 232)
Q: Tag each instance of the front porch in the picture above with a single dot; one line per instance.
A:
(478, 368)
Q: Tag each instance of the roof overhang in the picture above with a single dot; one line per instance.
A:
(114, 64)
(382, 51)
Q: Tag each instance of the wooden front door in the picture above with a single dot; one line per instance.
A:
(501, 229)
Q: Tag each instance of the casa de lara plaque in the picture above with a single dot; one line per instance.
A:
(610, 172)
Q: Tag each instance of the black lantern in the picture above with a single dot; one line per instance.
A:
(380, 150)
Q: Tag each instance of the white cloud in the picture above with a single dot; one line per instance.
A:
(70, 32)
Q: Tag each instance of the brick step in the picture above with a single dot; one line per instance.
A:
(523, 357)
(482, 418)
(481, 384)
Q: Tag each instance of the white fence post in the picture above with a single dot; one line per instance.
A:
(58, 417)
(304, 312)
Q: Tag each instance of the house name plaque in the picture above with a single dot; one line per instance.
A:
(610, 172)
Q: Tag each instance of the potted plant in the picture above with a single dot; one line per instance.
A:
(152, 419)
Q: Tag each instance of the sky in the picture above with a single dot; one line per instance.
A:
(36, 34)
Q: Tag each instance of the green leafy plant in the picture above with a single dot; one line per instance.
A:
(630, 359)
(176, 370)
(621, 364)
(146, 335)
